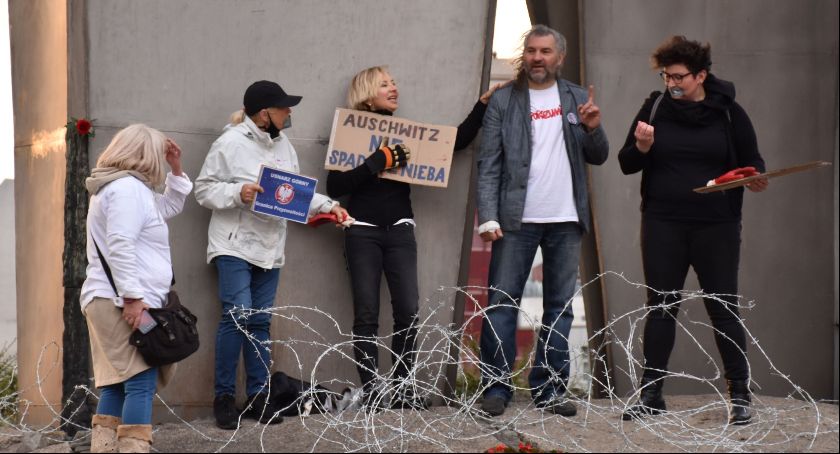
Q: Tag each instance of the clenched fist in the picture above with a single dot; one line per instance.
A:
(644, 136)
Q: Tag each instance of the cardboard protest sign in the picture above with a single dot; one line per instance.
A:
(357, 134)
(768, 174)
(285, 194)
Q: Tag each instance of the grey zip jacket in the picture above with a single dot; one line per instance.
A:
(504, 158)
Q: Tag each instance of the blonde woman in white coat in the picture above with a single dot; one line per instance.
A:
(127, 223)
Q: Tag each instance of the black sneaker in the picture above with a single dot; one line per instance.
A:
(559, 406)
(493, 405)
(224, 409)
(259, 407)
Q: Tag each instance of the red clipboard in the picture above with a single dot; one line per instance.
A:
(770, 174)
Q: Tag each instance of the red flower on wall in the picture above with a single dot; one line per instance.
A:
(83, 126)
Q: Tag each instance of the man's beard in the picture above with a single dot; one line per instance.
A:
(541, 77)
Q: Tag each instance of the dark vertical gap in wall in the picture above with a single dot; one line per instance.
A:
(469, 221)
(538, 11)
(592, 264)
(836, 229)
(78, 407)
(566, 16)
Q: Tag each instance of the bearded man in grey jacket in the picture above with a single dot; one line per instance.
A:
(539, 134)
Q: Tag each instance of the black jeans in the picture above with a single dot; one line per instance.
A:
(713, 250)
(370, 251)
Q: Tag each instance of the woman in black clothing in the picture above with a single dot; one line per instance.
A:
(695, 132)
(382, 239)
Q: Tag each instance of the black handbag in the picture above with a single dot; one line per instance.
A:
(175, 336)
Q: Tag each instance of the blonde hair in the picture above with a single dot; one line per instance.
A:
(237, 117)
(363, 87)
(139, 148)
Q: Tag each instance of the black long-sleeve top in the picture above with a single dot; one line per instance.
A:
(383, 202)
(694, 142)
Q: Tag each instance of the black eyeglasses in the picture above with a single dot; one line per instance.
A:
(675, 77)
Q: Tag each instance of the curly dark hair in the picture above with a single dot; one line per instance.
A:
(679, 50)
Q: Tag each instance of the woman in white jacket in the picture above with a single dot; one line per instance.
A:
(127, 223)
(246, 247)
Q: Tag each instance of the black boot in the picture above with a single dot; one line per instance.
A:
(650, 400)
(739, 399)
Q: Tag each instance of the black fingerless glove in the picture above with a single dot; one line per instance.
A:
(388, 157)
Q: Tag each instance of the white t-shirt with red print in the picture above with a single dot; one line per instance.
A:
(550, 197)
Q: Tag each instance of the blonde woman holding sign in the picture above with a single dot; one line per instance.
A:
(382, 240)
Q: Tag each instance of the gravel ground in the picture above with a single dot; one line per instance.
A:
(694, 423)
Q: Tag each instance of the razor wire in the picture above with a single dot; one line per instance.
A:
(343, 419)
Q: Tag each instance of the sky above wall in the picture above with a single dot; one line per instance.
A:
(7, 141)
(512, 22)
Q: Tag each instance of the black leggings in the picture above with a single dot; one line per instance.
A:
(371, 251)
(713, 250)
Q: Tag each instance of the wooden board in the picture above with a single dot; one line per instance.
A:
(770, 174)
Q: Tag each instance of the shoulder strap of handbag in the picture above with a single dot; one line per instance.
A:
(732, 153)
(655, 106)
(108, 269)
(659, 100)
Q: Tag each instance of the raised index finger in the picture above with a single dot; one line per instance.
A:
(591, 94)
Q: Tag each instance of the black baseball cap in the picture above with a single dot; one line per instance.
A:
(263, 94)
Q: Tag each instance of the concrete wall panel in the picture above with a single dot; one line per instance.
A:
(782, 57)
(183, 53)
(183, 67)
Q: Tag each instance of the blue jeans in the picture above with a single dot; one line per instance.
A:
(510, 263)
(243, 289)
(130, 400)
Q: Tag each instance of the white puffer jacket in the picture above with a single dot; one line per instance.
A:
(234, 160)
